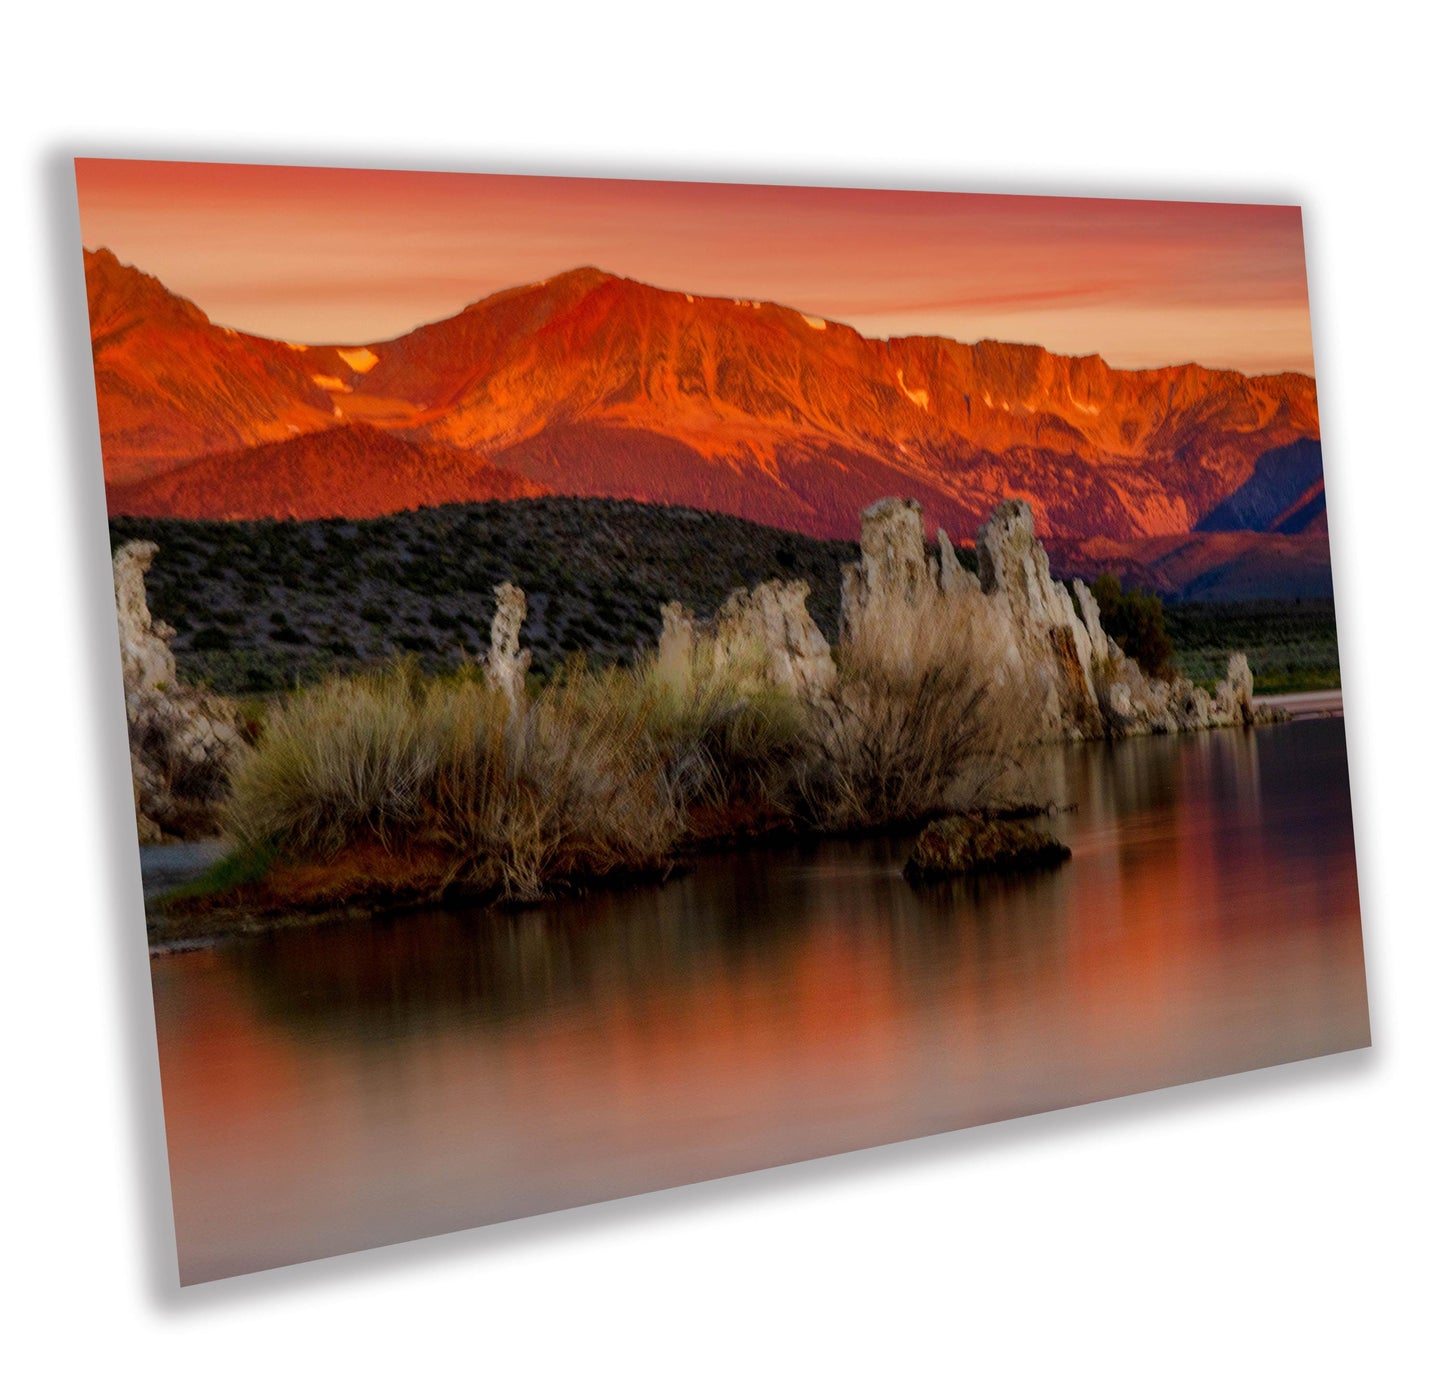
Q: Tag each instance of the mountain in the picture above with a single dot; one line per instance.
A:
(1205, 566)
(352, 470)
(171, 386)
(596, 385)
(1284, 492)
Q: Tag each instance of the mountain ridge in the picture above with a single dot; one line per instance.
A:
(593, 383)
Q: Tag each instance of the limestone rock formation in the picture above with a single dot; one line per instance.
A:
(1052, 640)
(1234, 695)
(677, 647)
(771, 626)
(894, 570)
(952, 576)
(1048, 646)
(762, 635)
(1054, 645)
(507, 662)
(184, 742)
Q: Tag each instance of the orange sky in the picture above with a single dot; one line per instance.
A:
(355, 256)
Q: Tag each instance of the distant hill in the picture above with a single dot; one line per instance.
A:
(1206, 566)
(590, 384)
(1285, 492)
(258, 604)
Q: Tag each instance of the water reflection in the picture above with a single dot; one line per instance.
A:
(359, 1083)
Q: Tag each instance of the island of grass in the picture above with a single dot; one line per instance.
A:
(393, 787)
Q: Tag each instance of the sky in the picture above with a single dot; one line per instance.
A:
(341, 256)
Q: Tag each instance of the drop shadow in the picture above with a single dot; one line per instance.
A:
(959, 1148)
(1348, 570)
(112, 806)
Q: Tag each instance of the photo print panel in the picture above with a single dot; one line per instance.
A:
(631, 682)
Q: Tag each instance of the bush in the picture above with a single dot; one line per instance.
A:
(916, 725)
(1135, 619)
(568, 789)
(727, 738)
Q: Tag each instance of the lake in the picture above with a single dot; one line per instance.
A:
(358, 1083)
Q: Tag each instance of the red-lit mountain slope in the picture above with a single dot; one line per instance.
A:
(172, 386)
(597, 385)
(355, 470)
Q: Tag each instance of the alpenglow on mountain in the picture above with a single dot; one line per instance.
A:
(590, 384)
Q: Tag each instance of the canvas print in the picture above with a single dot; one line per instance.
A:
(630, 682)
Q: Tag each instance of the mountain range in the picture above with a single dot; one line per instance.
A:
(589, 384)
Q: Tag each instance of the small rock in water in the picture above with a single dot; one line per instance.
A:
(970, 845)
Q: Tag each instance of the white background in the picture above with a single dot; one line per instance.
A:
(1275, 1234)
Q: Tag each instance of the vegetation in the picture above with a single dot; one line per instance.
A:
(421, 785)
(568, 789)
(1291, 644)
(913, 726)
(262, 606)
(1134, 618)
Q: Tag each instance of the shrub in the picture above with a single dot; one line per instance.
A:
(919, 722)
(344, 760)
(1135, 619)
(727, 738)
(567, 789)
(211, 639)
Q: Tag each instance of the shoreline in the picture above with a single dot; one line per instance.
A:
(1305, 704)
(331, 894)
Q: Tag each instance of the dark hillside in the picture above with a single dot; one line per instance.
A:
(258, 605)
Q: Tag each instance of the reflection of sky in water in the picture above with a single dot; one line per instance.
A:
(338, 1087)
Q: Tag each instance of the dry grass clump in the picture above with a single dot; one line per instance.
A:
(346, 759)
(925, 718)
(731, 740)
(569, 789)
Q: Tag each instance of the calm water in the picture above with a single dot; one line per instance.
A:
(358, 1084)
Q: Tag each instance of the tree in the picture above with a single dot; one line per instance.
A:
(1134, 618)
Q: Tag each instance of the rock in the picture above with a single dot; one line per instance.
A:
(1100, 644)
(894, 569)
(772, 623)
(761, 636)
(1234, 695)
(1241, 680)
(1057, 651)
(1052, 640)
(972, 844)
(677, 647)
(952, 576)
(146, 662)
(184, 742)
(1012, 562)
(1044, 645)
(506, 662)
